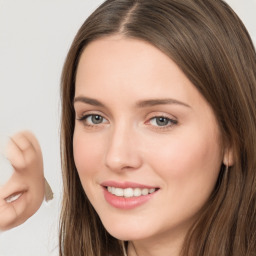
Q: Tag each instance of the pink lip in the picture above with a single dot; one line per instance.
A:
(123, 202)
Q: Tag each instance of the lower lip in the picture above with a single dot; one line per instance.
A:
(126, 203)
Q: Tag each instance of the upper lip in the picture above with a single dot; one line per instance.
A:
(126, 184)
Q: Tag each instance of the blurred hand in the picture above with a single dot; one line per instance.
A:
(24, 192)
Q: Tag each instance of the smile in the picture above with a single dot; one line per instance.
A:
(130, 192)
(13, 197)
(127, 195)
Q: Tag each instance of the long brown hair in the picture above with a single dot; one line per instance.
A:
(207, 40)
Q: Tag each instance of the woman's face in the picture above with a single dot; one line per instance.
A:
(146, 143)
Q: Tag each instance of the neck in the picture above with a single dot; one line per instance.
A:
(154, 248)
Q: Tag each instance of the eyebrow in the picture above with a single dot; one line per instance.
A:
(140, 104)
(154, 102)
(89, 101)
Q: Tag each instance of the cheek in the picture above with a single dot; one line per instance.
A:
(189, 169)
(87, 155)
(188, 163)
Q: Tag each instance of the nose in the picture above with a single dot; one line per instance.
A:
(123, 150)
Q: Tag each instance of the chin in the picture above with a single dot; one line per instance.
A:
(125, 235)
(127, 230)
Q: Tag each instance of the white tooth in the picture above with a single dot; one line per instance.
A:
(113, 190)
(137, 192)
(144, 191)
(12, 198)
(119, 192)
(128, 192)
(152, 190)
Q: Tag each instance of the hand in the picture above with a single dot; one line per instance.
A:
(24, 192)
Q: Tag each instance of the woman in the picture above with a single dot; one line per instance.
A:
(158, 132)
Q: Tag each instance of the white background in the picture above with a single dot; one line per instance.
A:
(35, 36)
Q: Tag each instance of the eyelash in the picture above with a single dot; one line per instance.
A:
(170, 122)
(84, 119)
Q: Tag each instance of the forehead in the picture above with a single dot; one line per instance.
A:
(128, 65)
(117, 53)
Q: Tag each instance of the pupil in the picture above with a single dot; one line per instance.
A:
(96, 119)
(161, 121)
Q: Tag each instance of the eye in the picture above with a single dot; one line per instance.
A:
(91, 119)
(162, 121)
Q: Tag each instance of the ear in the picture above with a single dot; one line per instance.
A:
(228, 156)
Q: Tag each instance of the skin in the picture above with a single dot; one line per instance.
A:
(25, 155)
(182, 157)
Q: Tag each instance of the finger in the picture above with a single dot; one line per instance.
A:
(23, 149)
(32, 139)
(15, 154)
(33, 147)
